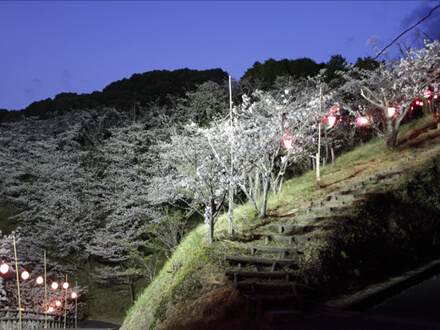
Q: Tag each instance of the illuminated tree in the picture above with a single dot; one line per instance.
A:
(397, 84)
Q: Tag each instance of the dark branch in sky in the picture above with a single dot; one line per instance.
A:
(412, 27)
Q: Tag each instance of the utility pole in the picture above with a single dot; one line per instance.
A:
(231, 190)
(318, 155)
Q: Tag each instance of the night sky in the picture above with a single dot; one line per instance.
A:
(50, 47)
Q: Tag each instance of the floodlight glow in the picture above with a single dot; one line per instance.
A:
(73, 295)
(58, 303)
(54, 285)
(65, 285)
(39, 280)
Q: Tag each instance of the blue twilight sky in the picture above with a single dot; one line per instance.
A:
(49, 47)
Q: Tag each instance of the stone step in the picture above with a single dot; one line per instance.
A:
(347, 196)
(237, 275)
(320, 210)
(271, 288)
(351, 191)
(287, 239)
(269, 249)
(334, 203)
(260, 261)
(298, 229)
(257, 304)
(392, 169)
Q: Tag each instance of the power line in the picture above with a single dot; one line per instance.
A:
(412, 27)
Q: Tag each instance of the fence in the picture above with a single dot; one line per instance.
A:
(10, 320)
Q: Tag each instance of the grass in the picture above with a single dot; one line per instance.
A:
(192, 287)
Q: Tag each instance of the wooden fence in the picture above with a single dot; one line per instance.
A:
(10, 320)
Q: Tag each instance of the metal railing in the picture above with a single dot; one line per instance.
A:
(10, 320)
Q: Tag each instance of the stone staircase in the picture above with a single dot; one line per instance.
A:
(267, 276)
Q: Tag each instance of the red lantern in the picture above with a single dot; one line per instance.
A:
(391, 111)
(331, 120)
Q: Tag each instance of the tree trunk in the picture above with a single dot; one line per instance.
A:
(391, 135)
(249, 196)
(263, 210)
(211, 229)
(131, 288)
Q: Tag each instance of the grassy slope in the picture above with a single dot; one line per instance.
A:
(191, 287)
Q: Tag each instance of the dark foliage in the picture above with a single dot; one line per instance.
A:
(138, 90)
(271, 69)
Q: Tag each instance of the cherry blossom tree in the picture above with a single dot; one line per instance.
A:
(198, 173)
(281, 127)
(397, 84)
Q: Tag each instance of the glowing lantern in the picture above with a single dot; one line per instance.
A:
(391, 111)
(39, 280)
(54, 285)
(4, 268)
(25, 275)
(65, 285)
(58, 303)
(73, 295)
(427, 93)
(361, 121)
(287, 142)
(331, 120)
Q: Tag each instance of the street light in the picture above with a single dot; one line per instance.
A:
(4, 268)
(25, 275)
(74, 295)
(65, 287)
(39, 280)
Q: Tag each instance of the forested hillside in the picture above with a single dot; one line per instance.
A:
(159, 87)
(110, 188)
